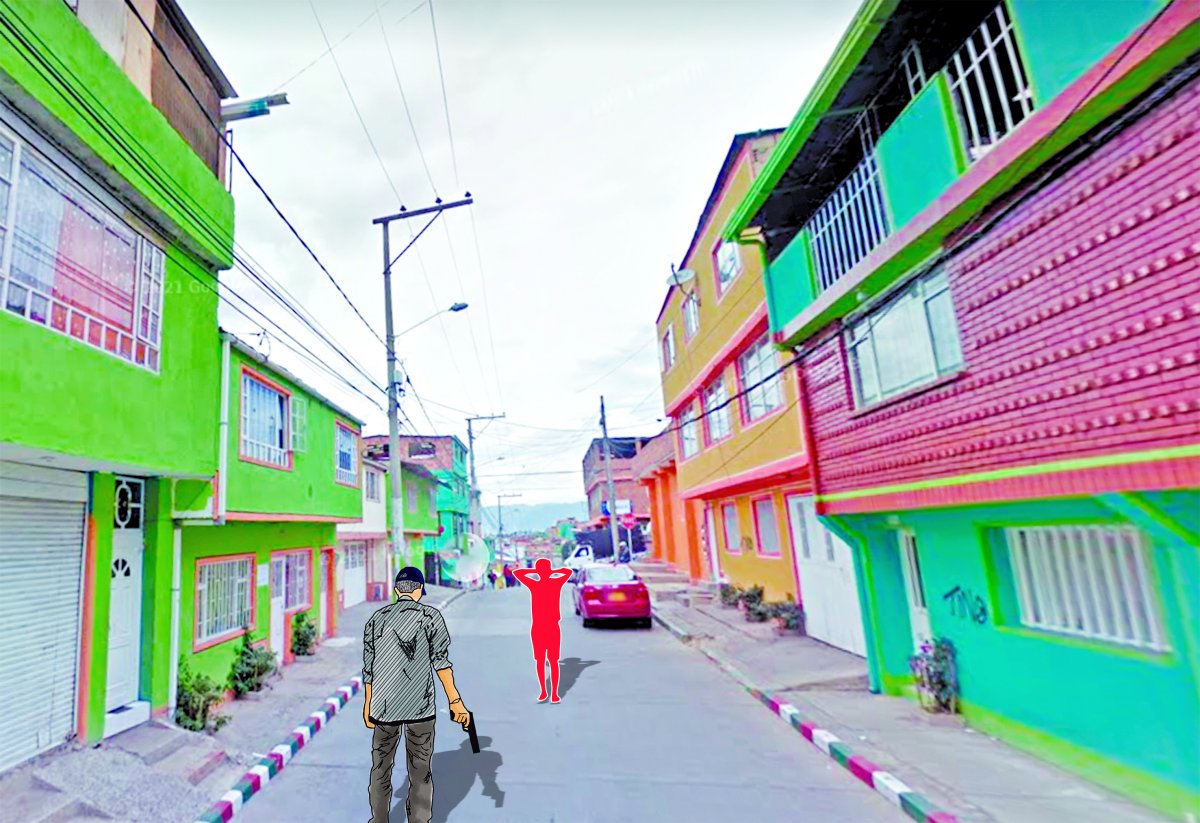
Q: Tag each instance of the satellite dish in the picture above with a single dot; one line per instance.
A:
(678, 278)
(465, 565)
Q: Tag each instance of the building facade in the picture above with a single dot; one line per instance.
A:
(991, 293)
(363, 563)
(114, 221)
(631, 497)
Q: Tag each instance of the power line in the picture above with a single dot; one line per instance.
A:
(404, 99)
(445, 99)
(241, 163)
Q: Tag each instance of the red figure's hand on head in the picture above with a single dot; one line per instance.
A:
(545, 587)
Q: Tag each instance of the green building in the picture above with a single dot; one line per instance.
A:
(114, 221)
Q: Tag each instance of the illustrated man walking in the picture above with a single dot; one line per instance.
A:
(545, 591)
(403, 645)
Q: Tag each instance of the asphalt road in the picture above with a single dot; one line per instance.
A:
(648, 731)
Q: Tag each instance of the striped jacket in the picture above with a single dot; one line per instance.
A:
(402, 645)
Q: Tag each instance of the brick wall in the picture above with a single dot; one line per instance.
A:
(1079, 315)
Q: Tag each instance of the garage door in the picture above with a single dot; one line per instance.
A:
(828, 586)
(354, 589)
(41, 558)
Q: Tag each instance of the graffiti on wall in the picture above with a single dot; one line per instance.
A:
(966, 604)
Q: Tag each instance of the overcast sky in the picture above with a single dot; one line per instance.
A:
(589, 132)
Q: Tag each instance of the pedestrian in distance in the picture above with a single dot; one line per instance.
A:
(545, 585)
(492, 577)
(404, 644)
(509, 580)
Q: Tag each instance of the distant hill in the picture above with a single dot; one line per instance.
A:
(533, 517)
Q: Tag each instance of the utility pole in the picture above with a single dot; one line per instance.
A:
(500, 521)
(395, 471)
(476, 515)
(612, 495)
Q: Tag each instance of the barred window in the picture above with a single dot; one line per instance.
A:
(346, 455)
(264, 423)
(290, 576)
(223, 597)
(1090, 581)
(849, 224)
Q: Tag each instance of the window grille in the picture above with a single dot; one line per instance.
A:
(295, 580)
(759, 381)
(1090, 581)
(849, 224)
(346, 458)
(264, 412)
(223, 597)
(914, 69)
(356, 555)
(716, 410)
(988, 84)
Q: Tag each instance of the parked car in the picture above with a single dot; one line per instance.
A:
(607, 592)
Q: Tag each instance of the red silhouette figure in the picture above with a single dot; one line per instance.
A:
(545, 587)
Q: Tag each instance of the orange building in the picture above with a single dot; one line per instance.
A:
(740, 457)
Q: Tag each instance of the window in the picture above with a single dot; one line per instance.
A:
(988, 84)
(421, 449)
(1090, 581)
(668, 348)
(767, 527)
(356, 555)
(224, 597)
(716, 411)
(759, 380)
(346, 459)
(689, 433)
(914, 69)
(290, 575)
(68, 263)
(849, 224)
(264, 422)
(733, 534)
(412, 496)
(729, 264)
(373, 486)
(911, 340)
(691, 315)
(299, 424)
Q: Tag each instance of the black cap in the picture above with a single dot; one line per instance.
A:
(410, 574)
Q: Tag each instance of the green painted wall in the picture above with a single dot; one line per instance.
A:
(101, 508)
(156, 594)
(56, 61)
(424, 517)
(1096, 708)
(310, 488)
(60, 394)
(242, 538)
(789, 281)
(921, 153)
(1059, 41)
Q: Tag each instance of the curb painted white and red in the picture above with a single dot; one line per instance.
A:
(912, 803)
(269, 767)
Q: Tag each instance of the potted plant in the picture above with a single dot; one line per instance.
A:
(730, 595)
(304, 635)
(788, 617)
(250, 668)
(936, 674)
(759, 612)
(751, 597)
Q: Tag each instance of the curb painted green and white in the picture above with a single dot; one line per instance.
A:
(912, 803)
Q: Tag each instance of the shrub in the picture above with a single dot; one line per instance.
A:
(936, 673)
(730, 594)
(195, 697)
(752, 596)
(304, 635)
(250, 668)
(788, 613)
(759, 612)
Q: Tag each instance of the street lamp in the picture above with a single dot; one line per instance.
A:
(454, 308)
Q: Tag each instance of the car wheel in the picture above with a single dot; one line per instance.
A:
(587, 623)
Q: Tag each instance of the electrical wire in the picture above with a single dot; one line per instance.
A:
(445, 98)
(404, 99)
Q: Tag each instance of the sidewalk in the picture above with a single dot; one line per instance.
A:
(968, 774)
(161, 773)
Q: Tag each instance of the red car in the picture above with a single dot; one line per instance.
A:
(611, 592)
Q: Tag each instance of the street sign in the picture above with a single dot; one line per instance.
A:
(624, 506)
(628, 521)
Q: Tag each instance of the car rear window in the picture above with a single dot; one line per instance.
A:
(609, 574)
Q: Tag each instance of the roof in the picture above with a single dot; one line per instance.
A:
(253, 354)
(714, 196)
(197, 47)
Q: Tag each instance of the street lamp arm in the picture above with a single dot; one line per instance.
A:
(455, 308)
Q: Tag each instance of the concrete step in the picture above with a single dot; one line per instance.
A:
(152, 742)
(194, 762)
(76, 812)
(25, 797)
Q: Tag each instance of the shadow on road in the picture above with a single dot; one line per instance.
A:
(569, 669)
(454, 774)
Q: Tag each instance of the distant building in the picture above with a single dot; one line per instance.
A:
(631, 496)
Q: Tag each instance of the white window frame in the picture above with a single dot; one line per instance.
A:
(979, 66)
(718, 420)
(772, 520)
(691, 315)
(299, 424)
(727, 260)
(141, 345)
(668, 348)
(914, 68)
(356, 555)
(372, 485)
(689, 433)
(733, 543)
(923, 294)
(253, 446)
(295, 577)
(1086, 581)
(849, 224)
(345, 444)
(754, 365)
(229, 582)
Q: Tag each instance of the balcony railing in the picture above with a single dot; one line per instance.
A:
(849, 224)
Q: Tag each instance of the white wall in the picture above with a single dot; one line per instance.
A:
(374, 519)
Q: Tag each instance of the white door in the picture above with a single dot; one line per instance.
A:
(828, 587)
(710, 541)
(42, 515)
(914, 589)
(354, 586)
(277, 610)
(125, 599)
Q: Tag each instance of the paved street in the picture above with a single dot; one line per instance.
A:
(648, 731)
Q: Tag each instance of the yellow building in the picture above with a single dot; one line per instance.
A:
(740, 456)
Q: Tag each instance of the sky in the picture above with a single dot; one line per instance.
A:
(589, 133)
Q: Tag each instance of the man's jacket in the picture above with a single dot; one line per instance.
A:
(402, 645)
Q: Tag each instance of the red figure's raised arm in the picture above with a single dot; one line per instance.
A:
(556, 574)
(527, 576)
